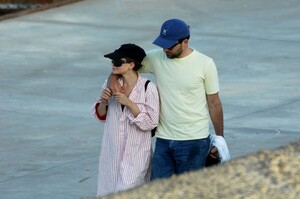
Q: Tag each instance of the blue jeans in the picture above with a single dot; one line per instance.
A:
(176, 157)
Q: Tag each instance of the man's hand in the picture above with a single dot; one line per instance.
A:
(113, 84)
(214, 153)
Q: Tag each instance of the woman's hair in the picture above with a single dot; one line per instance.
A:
(137, 65)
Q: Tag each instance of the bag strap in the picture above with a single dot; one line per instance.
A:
(146, 84)
(153, 130)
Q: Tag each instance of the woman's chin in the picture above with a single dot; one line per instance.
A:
(115, 72)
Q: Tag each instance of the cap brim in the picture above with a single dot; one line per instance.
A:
(113, 56)
(163, 43)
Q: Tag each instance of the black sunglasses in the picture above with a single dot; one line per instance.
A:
(118, 63)
(173, 46)
(178, 42)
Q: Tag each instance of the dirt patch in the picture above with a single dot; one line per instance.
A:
(10, 9)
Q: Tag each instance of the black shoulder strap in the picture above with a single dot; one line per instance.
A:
(146, 84)
(153, 130)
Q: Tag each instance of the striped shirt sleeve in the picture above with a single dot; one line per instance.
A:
(96, 105)
(149, 111)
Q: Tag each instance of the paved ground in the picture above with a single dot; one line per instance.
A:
(52, 66)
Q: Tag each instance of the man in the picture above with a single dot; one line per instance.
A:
(188, 86)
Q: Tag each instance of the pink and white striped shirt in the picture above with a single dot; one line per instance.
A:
(126, 149)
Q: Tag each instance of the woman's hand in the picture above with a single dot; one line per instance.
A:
(106, 94)
(122, 98)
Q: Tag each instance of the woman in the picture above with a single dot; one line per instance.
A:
(129, 116)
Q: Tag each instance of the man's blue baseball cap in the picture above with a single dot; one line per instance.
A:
(171, 31)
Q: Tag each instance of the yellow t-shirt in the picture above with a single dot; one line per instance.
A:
(182, 84)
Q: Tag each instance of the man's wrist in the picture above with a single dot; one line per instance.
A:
(220, 134)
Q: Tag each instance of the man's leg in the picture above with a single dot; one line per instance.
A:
(163, 165)
(190, 155)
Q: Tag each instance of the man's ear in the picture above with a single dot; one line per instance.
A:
(186, 41)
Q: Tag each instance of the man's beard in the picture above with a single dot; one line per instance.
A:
(175, 55)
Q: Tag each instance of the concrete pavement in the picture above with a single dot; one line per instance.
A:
(52, 66)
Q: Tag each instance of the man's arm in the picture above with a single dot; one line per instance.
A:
(113, 83)
(216, 113)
